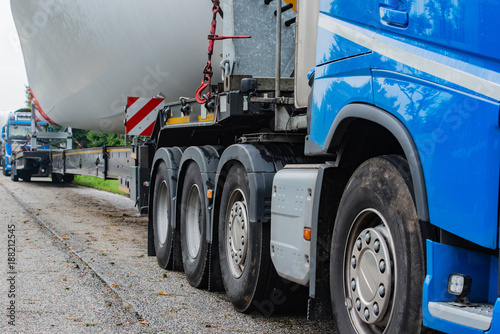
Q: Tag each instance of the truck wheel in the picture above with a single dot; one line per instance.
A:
(13, 177)
(243, 245)
(5, 172)
(56, 178)
(161, 216)
(68, 178)
(193, 228)
(377, 263)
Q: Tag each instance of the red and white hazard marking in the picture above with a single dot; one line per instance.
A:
(141, 115)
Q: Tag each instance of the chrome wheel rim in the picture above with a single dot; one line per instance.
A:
(370, 272)
(237, 232)
(193, 221)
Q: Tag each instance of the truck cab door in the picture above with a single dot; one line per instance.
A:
(333, 47)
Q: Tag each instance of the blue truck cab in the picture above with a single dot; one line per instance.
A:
(2, 150)
(415, 84)
(15, 136)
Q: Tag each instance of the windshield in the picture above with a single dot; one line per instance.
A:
(19, 130)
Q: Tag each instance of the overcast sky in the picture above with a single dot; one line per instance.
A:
(12, 71)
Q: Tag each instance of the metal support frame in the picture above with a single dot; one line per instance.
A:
(41, 139)
(106, 165)
(277, 88)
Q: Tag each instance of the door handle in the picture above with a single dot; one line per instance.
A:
(394, 17)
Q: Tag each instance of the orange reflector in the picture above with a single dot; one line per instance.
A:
(307, 234)
(210, 193)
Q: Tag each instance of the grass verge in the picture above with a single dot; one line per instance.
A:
(98, 183)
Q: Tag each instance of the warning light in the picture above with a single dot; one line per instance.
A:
(307, 233)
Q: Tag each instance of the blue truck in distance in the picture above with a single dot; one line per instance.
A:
(15, 134)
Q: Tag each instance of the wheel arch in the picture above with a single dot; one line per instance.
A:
(261, 162)
(260, 168)
(341, 139)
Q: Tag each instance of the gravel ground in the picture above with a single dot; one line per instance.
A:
(81, 267)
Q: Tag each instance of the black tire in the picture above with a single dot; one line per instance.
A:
(194, 228)
(56, 178)
(68, 178)
(377, 229)
(13, 177)
(162, 210)
(247, 279)
(5, 172)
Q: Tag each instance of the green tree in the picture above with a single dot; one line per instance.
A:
(99, 139)
(27, 93)
(81, 137)
(88, 138)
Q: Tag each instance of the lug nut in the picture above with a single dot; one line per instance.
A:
(353, 262)
(242, 240)
(368, 238)
(240, 254)
(376, 246)
(358, 244)
(381, 290)
(242, 224)
(375, 309)
(358, 304)
(230, 241)
(353, 285)
(381, 266)
(367, 314)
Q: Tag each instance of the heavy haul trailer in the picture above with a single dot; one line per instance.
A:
(372, 180)
(104, 162)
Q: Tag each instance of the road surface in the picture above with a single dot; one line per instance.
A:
(74, 261)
